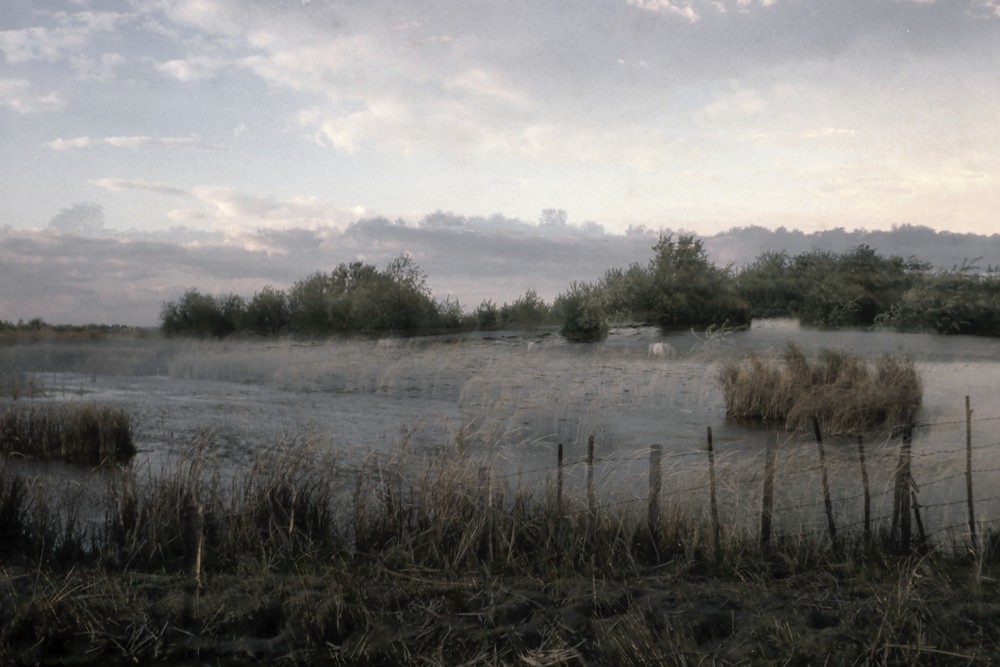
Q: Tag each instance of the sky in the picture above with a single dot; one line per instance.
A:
(142, 140)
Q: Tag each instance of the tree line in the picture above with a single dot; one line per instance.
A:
(679, 287)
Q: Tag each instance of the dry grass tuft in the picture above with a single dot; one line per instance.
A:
(847, 393)
(90, 434)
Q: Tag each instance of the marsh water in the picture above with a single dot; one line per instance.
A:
(513, 397)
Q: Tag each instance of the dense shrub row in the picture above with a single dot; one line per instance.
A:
(861, 288)
(678, 287)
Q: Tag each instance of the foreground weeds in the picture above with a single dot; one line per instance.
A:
(436, 560)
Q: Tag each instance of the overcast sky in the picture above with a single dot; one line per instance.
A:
(233, 124)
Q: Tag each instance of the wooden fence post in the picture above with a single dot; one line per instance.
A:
(905, 484)
(827, 502)
(655, 486)
(868, 495)
(921, 535)
(767, 500)
(968, 476)
(714, 506)
(559, 495)
(486, 483)
(591, 496)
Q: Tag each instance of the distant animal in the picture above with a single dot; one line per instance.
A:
(660, 350)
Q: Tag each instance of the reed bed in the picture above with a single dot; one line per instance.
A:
(847, 393)
(86, 433)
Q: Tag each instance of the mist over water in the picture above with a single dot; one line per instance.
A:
(510, 398)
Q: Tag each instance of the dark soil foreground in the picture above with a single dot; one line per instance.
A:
(909, 611)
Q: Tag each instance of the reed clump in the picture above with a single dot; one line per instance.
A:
(88, 434)
(847, 393)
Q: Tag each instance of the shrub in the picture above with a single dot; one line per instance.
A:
(847, 393)
(526, 312)
(951, 302)
(583, 313)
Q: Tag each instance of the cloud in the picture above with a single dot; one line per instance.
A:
(667, 7)
(82, 218)
(827, 132)
(132, 143)
(234, 211)
(193, 68)
(118, 184)
(985, 8)
(734, 104)
(72, 34)
(103, 68)
(17, 94)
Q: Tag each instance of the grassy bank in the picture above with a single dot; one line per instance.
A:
(309, 559)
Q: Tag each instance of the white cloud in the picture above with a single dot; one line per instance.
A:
(827, 132)
(234, 211)
(72, 35)
(194, 68)
(667, 7)
(132, 142)
(103, 68)
(738, 103)
(19, 46)
(985, 8)
(17, 94)
(490, 86)
(119, 184)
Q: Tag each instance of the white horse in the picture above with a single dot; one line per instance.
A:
(660, 350)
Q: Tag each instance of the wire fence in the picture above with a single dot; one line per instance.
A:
(939, 492)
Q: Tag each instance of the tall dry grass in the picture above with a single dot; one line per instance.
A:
(849, 394)
(90, 434)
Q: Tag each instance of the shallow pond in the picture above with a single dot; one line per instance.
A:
(512, 397)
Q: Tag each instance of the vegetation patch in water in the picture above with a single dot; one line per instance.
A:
(90, 434)
(847, 393)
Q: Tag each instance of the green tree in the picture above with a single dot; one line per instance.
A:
(267, 313)
(583, 311)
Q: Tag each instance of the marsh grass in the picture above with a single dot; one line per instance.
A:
(442, 559)
(17, 384)
(88, 434)
(847, 393)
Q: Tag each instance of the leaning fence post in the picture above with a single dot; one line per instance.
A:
(968, 475)
(868, 496)
(767, 500)
(916, 515)
(591, 498)
(827, 502)
(655, 485)
(714, 506)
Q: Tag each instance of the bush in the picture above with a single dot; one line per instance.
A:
(200, 315)
(583, 312)
(825, 289)
(951, 302)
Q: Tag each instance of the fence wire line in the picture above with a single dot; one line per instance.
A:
(745, 516)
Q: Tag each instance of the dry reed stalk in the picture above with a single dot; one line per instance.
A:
(846, 392)
(91, 434)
